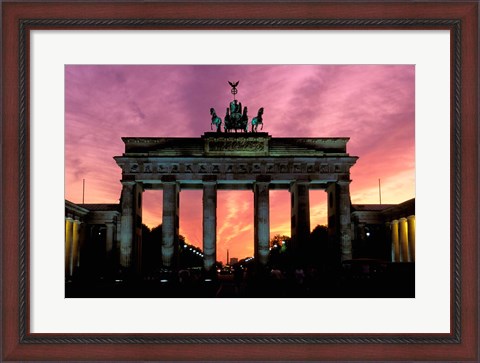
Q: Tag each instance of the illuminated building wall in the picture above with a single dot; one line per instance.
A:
(384, 231)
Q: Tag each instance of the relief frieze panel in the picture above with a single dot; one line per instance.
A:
(242, 168)
(235, 145)
(283, 168)
(148, 168)
(203, 169)
(324, 168)
(256, 168)
(227, 145)
(215, 169)
(174, 169)
(134, 168)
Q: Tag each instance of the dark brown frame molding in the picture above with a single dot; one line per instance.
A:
(18, 18)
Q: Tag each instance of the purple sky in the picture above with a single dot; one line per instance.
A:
(373, 105)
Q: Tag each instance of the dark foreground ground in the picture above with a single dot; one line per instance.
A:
(395, 281)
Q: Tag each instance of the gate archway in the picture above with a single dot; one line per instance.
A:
(243, 161)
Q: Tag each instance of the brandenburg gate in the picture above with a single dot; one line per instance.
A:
(233, 161)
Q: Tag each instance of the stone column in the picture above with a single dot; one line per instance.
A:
(300, 204)
(395, 242)
(261, 219)
(331, 191)
(109, 238)
(109, 245)
(209, 223)
(344, 219)
(411, 237)
(170, 222)
(75, 246)
(81, 242)
(403, 237)
(127, 223)
(387, 236)
(68, 244)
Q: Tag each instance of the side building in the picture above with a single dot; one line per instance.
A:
(384, 231)
(92, 232)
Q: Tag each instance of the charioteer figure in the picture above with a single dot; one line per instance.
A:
(236, 118)
(235, 107)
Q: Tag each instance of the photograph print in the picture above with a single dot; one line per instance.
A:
(240, 181)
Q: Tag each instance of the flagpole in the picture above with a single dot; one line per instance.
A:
(380, 191)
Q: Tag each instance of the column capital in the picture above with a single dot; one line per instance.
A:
(129, 183)
(343, 182)
(297, 182)
(169, 179)
(209, 179)
(301, 181)
(412, 217)
(395, 221)
(263, 179)
(172, 182)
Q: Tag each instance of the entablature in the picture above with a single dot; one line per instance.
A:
(235, 161)
(233, 168)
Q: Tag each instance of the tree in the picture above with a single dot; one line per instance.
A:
(279, 240)
(278, 256)
(151, 248)
(319, 234)
(321, 249)
(188, 255)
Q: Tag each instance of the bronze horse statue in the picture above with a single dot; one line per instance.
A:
(257, 120)
(217, 121)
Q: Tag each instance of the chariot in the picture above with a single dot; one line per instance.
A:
(236, 118)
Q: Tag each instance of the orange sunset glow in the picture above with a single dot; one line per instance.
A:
(373, 105)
